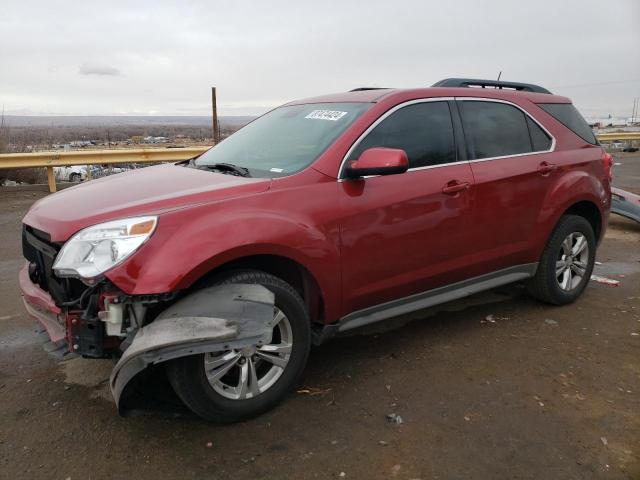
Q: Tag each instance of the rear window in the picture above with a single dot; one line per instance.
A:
(569, 116)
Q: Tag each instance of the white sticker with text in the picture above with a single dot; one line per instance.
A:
(332, 115)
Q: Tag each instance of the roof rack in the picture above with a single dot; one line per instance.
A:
(474, 82)
(362, 89)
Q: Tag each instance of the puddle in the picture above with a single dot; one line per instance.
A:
(10, 268)
(87, 372)
(18, 337)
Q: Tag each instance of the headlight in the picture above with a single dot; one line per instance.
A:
(94, 250)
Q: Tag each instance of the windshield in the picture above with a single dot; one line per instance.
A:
(285, 140)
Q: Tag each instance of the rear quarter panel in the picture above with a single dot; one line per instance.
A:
(580, 177)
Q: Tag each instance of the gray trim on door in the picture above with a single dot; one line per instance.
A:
(436, 296)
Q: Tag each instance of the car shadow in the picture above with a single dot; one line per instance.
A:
(152, 394)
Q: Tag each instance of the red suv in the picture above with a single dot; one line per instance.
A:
(323, 215)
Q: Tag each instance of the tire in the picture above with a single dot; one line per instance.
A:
(74, 177)
(209, 400)
(550, 287)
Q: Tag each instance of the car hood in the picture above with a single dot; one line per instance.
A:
(150, 190)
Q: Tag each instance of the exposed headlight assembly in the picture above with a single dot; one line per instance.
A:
(94, 250)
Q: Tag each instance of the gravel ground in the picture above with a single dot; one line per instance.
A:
(496, 386)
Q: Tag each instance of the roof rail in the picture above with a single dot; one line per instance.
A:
(474, 82)
(362, 89)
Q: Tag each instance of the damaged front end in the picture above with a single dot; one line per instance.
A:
(97, 320)
(91, 320)
(222, 317)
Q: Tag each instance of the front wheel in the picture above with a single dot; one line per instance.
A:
(566, 263)
(232, 385)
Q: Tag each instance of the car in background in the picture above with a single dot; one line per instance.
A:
(105, 170)
(71, 173)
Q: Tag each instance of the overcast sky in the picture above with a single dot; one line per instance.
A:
(161, 58)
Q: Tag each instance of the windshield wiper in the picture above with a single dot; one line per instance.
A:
(228, 168)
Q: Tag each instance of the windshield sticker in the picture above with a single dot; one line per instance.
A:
(276, 170)
(332, 115)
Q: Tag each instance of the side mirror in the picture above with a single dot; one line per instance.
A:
(378, 161)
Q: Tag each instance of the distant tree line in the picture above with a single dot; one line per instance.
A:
(24, 138)
(17, 139)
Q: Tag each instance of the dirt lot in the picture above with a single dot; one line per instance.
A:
(533, 392)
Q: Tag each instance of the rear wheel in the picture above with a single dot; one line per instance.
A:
(231, 385)
(74, 177)
(566, 263)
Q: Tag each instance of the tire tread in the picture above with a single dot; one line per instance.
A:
(180, 371)
(541, 286)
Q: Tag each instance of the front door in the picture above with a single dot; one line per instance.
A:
(407, 233)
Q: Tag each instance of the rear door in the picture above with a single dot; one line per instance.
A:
(401, 234)
(512, 166)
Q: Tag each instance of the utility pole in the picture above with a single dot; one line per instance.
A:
(214, 119)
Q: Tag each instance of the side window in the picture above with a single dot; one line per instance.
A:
(539, 138)
(569, 116)
(423, 130)
(495, 129)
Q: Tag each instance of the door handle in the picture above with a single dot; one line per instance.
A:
(454, 187)
(545, 168)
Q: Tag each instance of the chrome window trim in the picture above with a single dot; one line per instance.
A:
(445, 99)
(496, 100)
(379, 120)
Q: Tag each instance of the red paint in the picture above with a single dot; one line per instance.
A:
(378, 161)
(607, 162)
(40, 306)
(365, 241)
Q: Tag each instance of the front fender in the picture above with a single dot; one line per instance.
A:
(188, 244)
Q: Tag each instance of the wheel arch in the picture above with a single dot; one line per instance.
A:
(291, 271)
(590, 212)
(576, 192)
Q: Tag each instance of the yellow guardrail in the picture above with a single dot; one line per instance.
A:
(149, 155)
(95, 157)
(620, 136)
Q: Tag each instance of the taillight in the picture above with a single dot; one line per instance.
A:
(607, 163)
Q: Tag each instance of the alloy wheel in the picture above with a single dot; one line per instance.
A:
(572, 262)
(245, 373)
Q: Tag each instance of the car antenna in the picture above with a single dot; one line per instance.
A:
(499, 75)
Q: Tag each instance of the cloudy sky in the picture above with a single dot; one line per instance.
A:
(161, 58)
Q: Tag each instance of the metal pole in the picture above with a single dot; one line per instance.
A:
(214, 111)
